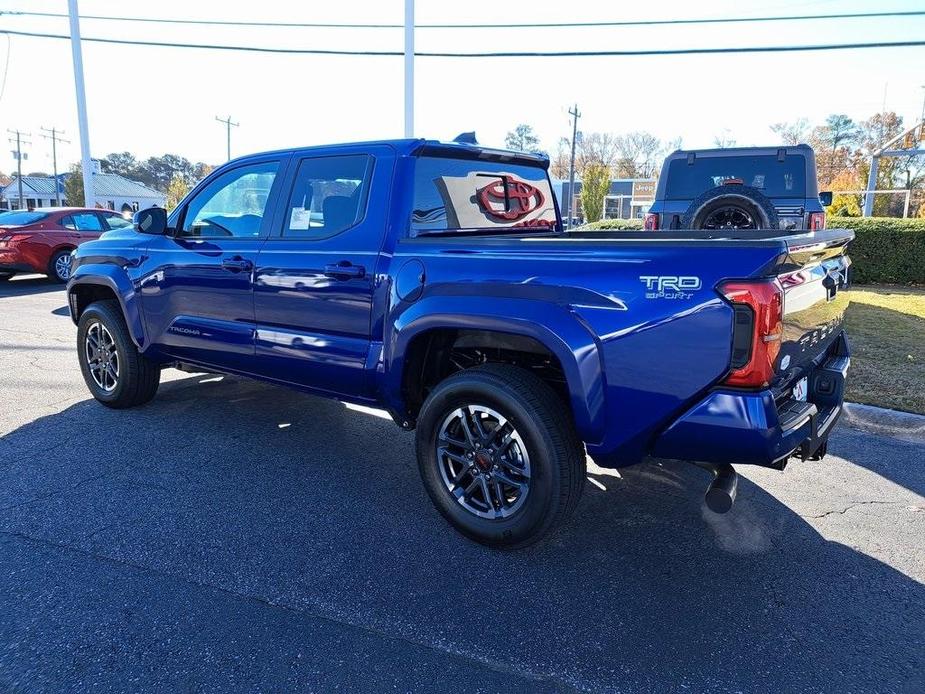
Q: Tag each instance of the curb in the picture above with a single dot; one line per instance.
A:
(879, 420)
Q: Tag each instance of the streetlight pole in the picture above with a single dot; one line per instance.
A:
(409, 68)
(86, 163)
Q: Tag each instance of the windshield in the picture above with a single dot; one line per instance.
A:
(470, 194)
(774, 178)
(18, 217)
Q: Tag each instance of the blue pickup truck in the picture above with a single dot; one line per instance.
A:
(435, 280)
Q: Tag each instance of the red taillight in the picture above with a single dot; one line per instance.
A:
(816, 221)
(757, 331)
(651, 222)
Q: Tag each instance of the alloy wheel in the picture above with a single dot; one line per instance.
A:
(731, 217)
(63, 267)
(483, 461)
(102, 357)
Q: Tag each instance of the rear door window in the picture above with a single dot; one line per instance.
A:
(83, 221)
(774, 178)
(463, 194)
(328, 196)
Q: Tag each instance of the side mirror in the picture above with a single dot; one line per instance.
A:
(825, 198)
(151, 221)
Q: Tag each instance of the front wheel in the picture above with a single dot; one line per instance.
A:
(116, 373)
(499, 457)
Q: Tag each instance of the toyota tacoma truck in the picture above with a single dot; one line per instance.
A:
(434, 280)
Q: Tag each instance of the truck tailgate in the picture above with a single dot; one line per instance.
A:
(815, 278)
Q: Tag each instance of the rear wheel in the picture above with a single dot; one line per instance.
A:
(59, 267)
(113, 369)
(499, 457)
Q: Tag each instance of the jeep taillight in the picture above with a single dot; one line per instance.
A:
(651, 222)
(757, 330)
(816, 221)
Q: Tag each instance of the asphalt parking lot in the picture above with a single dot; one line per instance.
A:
(233, 536)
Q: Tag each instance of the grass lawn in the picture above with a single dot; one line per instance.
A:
(886, 330)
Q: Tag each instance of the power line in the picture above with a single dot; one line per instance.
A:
(499, 54)
(529, 25)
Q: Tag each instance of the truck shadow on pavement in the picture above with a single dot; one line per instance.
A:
(299, 503)
(29, 285)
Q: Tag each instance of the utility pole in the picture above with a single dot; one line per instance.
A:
(86, 164)
(19, 156)
(571, 168)
(409, 68)
(228, 126)
(55, 138)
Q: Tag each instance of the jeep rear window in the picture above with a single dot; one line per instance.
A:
(776, 179)
(472, 194)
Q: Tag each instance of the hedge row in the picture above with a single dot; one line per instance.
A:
(613, 225)
(885, 249)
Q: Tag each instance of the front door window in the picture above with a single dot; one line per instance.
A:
(232, 205)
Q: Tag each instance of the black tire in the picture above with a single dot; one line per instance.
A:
(751, 200)
(138, 376)
(556, 455)
(54, 270)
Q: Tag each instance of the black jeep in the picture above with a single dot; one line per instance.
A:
(739, 188)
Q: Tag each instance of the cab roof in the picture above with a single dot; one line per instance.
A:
(419, 147)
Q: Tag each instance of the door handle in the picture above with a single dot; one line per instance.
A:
(237, 264)
(344, 270)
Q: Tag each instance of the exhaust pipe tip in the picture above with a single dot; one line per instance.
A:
(721, 494)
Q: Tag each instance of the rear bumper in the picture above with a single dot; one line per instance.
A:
(730, 426)
(12, 261)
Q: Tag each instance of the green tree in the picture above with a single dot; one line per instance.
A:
(176, 191)
(122, 163)
(523, 139)
(595, 182)
(74, 187)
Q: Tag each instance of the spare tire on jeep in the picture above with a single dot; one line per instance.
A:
(731, 206)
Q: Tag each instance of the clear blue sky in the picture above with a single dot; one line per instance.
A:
(156, 100)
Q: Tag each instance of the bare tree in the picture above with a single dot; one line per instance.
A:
(559, 161)
(636, 154)
(792, 132)
(724, 140)
(595, 148)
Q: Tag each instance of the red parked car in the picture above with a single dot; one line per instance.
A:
(42, 240)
